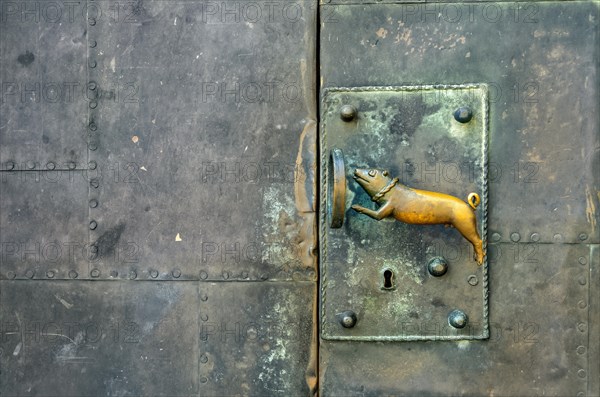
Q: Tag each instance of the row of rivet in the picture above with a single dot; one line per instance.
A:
(581, 350)
(93, 93)
(94, 273)
(515, 237)
(32, 165)
(225, 275)
(204, 318)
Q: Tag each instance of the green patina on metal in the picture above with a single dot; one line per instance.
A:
(429, 137)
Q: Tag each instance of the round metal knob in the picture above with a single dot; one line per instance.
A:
(348, 319)
(437, 266)
(458, 319)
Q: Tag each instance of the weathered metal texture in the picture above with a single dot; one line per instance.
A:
(259, 345)
(402, 129)
(540, 62)
(196, 140)
(542, 76)
(198, 148)
(88, 338)
(43, 92)
(43, 230)
(539, 340)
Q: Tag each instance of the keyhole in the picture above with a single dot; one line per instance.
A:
(388, 279)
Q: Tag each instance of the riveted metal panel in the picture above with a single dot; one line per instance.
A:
(542, 75)
(540, 62)
(199, 155)
(43, 225)
(539, 338)
(399, 129)
(98, 338)
(44, 99)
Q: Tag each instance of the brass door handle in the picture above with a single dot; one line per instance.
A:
(419, 207)
(336, 189)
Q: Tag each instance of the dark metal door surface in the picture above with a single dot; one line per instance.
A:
(164, 192)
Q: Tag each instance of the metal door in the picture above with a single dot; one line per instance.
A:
(164, 195)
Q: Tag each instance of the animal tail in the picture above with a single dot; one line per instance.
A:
(474, 200)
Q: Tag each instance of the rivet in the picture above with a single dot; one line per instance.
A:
(73, 274)
(582, 280)
(92, 146)
(95, 273)
(93, 225)
(153, 274)
(348, 112)
(204, 358)
(515, 237)
(496, 237)
(114, 273)
(558, 237)
(92, 165)
(92, 21)
(583, 236)
(30, 165)
(244, 274)
(50, 274)
(10, 165)
(93, 126)
(581, 373)
(93, 44)
(348, 319)
(29, 274)
(93, 64)
(581, 349)
(132, 275)
(582, 260)
(225, 275)
(204, 317)
(94, 249)
(582, 304)
(203, 275)
(93, 104)
(204, 298)
(535, 237)
(92, 85)
(472, 280)
(458, 319)
(50, 165)
(11, 275)
(71, 165)
(582, 327)
(463, 114)
(437, 266)
(94, 183)
(176, 273)
(204, 379)
(93, 203)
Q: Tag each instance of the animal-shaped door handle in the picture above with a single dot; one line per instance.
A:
(395, 200)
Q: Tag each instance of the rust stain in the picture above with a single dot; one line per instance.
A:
(382, 33)
(304, 193)
(590, 207)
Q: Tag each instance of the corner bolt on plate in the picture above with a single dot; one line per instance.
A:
(404, 213)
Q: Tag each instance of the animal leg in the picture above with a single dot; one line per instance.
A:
(386, 210)
(468, 228)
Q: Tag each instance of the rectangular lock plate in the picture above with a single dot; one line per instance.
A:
(375, 282)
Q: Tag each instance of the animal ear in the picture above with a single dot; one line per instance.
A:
(385, 173)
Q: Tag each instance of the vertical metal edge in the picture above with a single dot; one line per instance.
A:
(484, 149)
(593, 353)
(322, 215)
